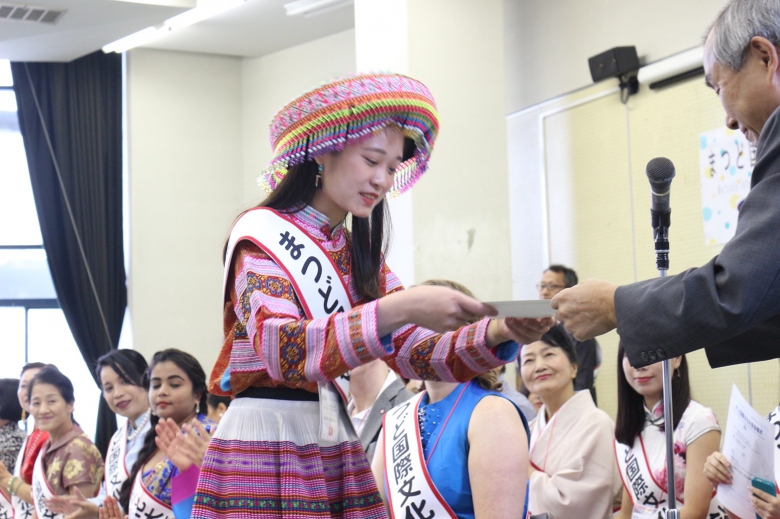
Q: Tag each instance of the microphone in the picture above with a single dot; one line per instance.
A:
(660, 172)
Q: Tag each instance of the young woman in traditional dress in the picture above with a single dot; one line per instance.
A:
(162, 481)
(717, 469)
(573, 471)
(640, 444)
(306, 300)
(18, 483)
(68, 463)
(121, 374)
(457, 428)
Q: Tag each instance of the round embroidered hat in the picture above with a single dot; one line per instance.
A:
(348, 110)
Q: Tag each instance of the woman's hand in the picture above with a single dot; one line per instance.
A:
(717, 469)
(522, 331)
(183, 447)
(436, 308)
(766, 505)
(74, 506)
(110, 510)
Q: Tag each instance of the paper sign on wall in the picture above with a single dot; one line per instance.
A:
(726, 161)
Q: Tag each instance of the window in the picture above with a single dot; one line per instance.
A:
(32, 325)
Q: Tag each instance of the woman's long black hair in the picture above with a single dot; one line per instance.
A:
(130, 365)
(197, 376)
(631, 405)
(369, 237)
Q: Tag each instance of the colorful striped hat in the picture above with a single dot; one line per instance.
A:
(347, 111)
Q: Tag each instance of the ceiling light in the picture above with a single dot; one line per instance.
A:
(309, 8)
(180, 21)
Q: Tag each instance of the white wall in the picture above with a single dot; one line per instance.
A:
(271, 81)
(184, 119)
(548, 43)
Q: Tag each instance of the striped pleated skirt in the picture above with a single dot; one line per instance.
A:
(266, 461)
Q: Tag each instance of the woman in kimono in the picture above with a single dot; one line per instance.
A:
(457, 427)
(161, 483)
(18, 483)
(308, 297)
(68, 463)
(573, 471)
(640, 443)
(121, 374)
(717, 470)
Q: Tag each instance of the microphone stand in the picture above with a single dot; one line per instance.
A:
(661, 223)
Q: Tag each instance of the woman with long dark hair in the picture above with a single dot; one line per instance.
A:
(121, 374)
(160, 481)
(308, 297)
(11, 436)
(68, 463)
(18, 483)
(640, 443)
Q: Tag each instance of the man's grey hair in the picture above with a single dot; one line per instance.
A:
(737, 23)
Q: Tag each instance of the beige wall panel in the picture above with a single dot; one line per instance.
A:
(589, 205)
(184, 118)
(461, 206)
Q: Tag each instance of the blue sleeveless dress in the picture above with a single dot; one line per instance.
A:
(448, 467)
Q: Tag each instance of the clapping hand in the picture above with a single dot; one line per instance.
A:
(110, 510)
(74, 506)
(183, 447)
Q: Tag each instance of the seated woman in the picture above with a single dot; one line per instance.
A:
(11, 437)
(18, 483)
(639, 435)
(69, 463)
(572, 459)
(160, 481)
(717, 469)
(121, 374)
(457, 428)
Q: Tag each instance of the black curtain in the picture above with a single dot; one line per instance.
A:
(70, 116)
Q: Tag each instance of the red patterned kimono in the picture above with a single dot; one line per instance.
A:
(265, 459)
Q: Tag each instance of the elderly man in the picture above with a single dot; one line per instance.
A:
(731, 305)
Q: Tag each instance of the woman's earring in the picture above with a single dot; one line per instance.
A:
(318, 177)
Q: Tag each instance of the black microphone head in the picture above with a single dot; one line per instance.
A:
(660, 172)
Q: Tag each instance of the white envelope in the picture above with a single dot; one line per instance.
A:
(533, 308)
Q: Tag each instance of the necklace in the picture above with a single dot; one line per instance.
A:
(444, 425)
(137, 430)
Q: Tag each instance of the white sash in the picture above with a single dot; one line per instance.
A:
(774, 419)
(116, 469)
(648, 497)
(410, 490)
(315, 278)
(22, 509)
(6, 508)
(42, 491)
(144, 504)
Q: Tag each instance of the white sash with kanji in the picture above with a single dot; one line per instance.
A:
(6, 508)
(410, 490)
(312, 273)
(42, 491)
(116, 469)
(22, 509)
(774, 419)
(143, 504)
(648, 497)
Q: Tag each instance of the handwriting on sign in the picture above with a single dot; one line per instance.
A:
(141, 513)
(26, 509)
(295, 250)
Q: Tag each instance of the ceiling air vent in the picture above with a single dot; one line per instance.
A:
(30, 13)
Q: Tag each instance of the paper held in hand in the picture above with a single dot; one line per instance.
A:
(534, 308)
(749, 447)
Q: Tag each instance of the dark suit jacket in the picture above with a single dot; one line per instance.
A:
(731, 305)
(393, 395)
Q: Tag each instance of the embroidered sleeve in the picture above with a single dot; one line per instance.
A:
(272, 332)
(456, 356)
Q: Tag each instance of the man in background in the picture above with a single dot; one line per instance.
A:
(555, 279)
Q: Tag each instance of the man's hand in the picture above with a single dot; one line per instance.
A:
(587, 309)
